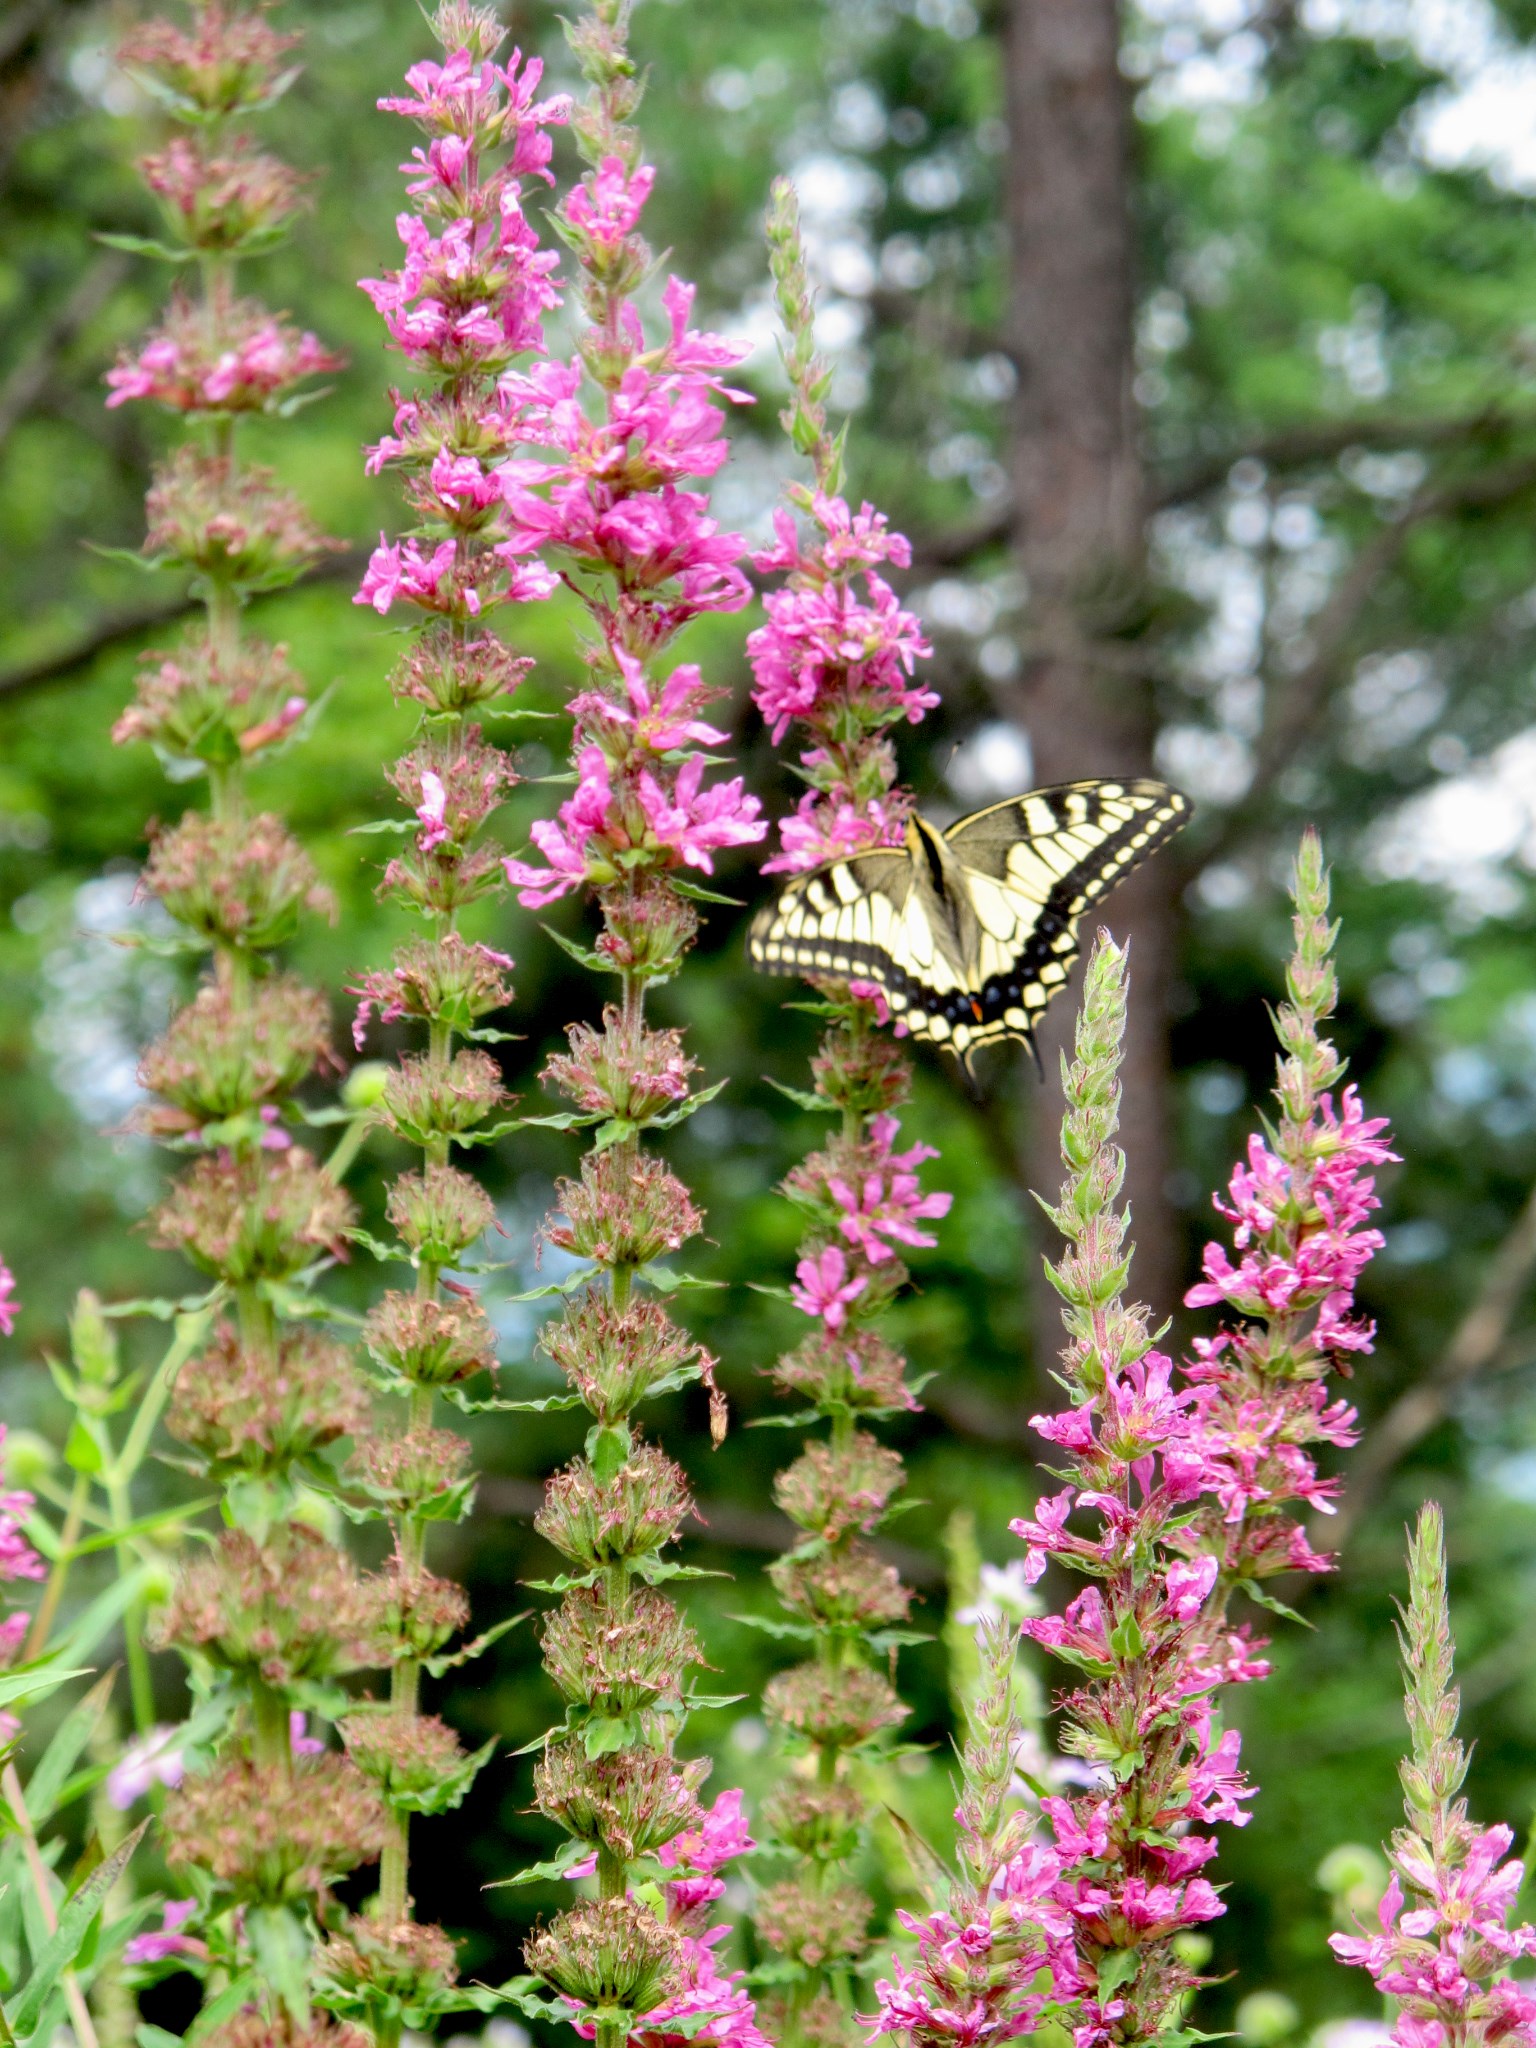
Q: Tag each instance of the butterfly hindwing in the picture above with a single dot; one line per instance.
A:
(1042, 861)
(1028, 868)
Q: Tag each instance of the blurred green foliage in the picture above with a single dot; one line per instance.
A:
(1331, 328)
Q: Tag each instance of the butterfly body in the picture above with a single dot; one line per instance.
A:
(971, 930)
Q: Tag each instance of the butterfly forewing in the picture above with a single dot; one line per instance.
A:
(1030, 868)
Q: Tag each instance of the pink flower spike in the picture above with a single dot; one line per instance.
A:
(8, 1302)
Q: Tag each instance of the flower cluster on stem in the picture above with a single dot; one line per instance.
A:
(1444, 1945)
(1190, 1480)
(834, 655)
(619, 434)
(272, 1609)
(466, 303)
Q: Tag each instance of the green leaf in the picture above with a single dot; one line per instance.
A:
(281, 1945)
(666, 1281)
(548, 1404)
(68, 1938)
(145, 245)
(554, 1868)
(146, 1525)
(1126, 1638)
(584, 955)
(604, 1734)
(609, 1451)
(1267, 1600)
(1117, 1966)
(51, 1772)
(96, 1621)
(450, 1661)
(396, 827)
(773, 1625)
(804, 1099)
(224, 2007)
(698, 895)
(155, 2037)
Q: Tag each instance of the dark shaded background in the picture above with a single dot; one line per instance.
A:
(1319, 605)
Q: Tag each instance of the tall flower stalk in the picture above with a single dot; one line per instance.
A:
(273, 1611)
(1189, 1480)
(619, 434)
(1446, 1958)
(835, 655)
(467, 302)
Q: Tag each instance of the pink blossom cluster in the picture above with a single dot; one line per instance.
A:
(18, 1560)
(866, 1198)
(837, 653)
(1184, 1482)
(636, 803)
(1445, 1956)
(712, 2006)
(9, 1305)
(168, 1941)
(987, 1974)
(241, 359)
(468, 299)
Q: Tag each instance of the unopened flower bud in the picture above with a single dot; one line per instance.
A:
(864, 1072)
(365, 1085)
(431, 1342)
(618, 1661)
(454, 675)
(439, 1213)
(217, 201)
(606, 1952)
(262, 1216)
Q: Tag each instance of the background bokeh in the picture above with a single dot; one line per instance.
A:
(1336, 334)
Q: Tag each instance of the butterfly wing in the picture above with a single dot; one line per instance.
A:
(864, 919)
(1032, 867)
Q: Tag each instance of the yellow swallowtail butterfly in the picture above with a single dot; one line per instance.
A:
(969, 931)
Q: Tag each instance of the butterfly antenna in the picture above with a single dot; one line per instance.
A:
(1034, 1045)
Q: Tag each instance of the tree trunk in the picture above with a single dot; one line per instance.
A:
(1081, 509)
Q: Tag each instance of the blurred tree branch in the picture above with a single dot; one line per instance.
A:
(121, 628)
(29, 380)
(1475, 1345)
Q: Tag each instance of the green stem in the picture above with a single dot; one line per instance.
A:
(271, 1737)
(53, 1592)
(141, 1687)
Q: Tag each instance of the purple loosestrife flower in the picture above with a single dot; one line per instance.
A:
(1445, 1959)
(9, 1305)
(837, 655)
(1187, 1475)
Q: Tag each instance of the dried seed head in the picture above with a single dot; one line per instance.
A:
(631, 1801)
(623, 1070)
(207, 703)
(243, 881)
(244, 1411)
(292, 1608)
(263, 1216)
(852, 1368)
(606, 1952)
(613, 1357)
(269, 1834)
(449, 675)
(228, 60)
(619, 1661)
(424, 1469)
(233, 526)
(413, 1611)
(408, 1756)
(865, 1072)
(831, 1489)
(220, 1056)
(367, 1963)
(648, 930)
(425, 1098)
(816, 1820)
(839, 1709)
(432, 1343)
(633, 1513)
(842, 1588)
(439, 1213)
(813, 1927)
(624, 1212)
